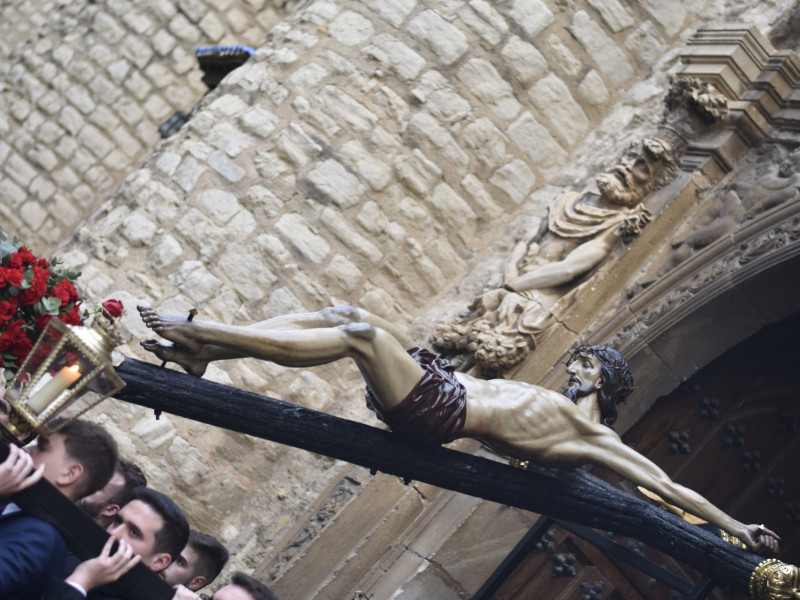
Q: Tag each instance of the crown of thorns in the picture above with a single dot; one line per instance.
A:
(613, 361)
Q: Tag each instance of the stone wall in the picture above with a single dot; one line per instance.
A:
(380, 152)
(86, 86)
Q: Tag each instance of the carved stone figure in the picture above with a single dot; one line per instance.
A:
(422, 397)
(499, 329)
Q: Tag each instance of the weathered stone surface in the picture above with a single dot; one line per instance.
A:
(393, 55)
(486, 141)
(671, 17)
(532, 15)
(333, 180)
(453, 210)
(483, 80)
(308, 77)
(303, 237)
(376, 173)
(526, 62)
(646, 44)
(393, 12)
(417, 172)
(516, 179)
(446, 41)
(615, 15)
(593, 90)
(138, 230)
(608, 57)
(250, 277)
(425, 127)
(351, 28)
(535, 141)
(484, 20)
(552, 97)
(195, 280)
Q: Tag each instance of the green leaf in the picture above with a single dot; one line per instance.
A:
(51, 305)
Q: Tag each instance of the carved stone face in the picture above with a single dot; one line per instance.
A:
(633, 177)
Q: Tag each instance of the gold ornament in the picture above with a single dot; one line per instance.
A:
(774, 580)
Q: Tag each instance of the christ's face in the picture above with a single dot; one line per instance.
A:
(584, 374)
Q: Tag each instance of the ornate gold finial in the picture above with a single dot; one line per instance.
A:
(774, 580)
(518, 463)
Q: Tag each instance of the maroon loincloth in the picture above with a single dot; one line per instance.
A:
(435, 410)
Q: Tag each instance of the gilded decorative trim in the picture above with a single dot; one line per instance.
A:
(774, 580)
(727, 537)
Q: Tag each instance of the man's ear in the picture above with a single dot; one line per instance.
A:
(160, 562)
(110, 510)
(70, 474)
(197, 582)
(599, 383)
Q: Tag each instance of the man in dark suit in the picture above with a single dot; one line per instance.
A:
(151, 528)
(78, 460)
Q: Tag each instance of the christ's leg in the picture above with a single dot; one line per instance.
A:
(387, 367)
(196, 362)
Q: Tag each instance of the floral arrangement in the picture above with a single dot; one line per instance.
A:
(32, 291)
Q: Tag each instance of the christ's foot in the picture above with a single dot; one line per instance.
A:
(190, 364)
(178, 330)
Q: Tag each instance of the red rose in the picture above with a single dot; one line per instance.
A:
(15, 337)
(26, 255)
(113, 309)
(28, 297)
(43, 263)
(8, 309)
(73, 317)
(40, 277)
(15, 262)
(11, 276)
(73, 293)
(61, 292)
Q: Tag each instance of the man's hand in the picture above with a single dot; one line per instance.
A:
(16, 472)
(759, 538)
(106, 568)
(183, 593)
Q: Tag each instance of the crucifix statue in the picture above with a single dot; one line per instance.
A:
(421, 396)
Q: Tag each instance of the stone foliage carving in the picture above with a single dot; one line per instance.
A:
(500, 327)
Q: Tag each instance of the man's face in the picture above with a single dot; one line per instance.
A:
(52, 453)
(231, 592)
(181, 570)
(98, 505)
(631, 179)
(584, 374)
(137, 523)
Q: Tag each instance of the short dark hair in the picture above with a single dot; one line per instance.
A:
(134, 477)
(95, 449)
(615, 375)
(252, 586)
(211, 555)
(174, 532)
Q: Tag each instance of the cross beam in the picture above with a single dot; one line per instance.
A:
(568, 494)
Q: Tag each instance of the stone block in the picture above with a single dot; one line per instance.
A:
(261, 198)
(445, 40)
(20, 170)
(485, 83)
(272, 246)
(81, 99)
(616, 16)
(375, 172)
(484, 20)
(138, 85)
(136, 50)
(340, 104)
(441, 99)
(487, 142)
(453, 211)
(163, 42)
(49, 132)
(344, 273)
(308, 77)
(344, 231)
(303, 237)
(524, 60)
(609, 58)
(373, 219)
(43, 158)
(154, 432)
(157, 108)
(91, 138)
(223, 165)
(229, 139)
(670, 16)
(535, 140)
(250, 277)
(20, 109)
(350, 28)
(427, 129)
(188, 173)
(165, 253)
(220, 204)
(417, 172)
(159, 75)
(51, 102)
(333, 180)
(11, 194)
(593, 90)
(104, 118)
(296, 146)
(393, 12)
(183, 29)
(395, 56)
(140, 23)
(552, 98)
(196, 281)
(138, 230)
(212, 27)
(516, 179)
(646, 44)
(108, 28)
(532, 16)
(481, 198)
(33, 214)
(42, 188)
(561, 57)
(125, 142)
(129, 111)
